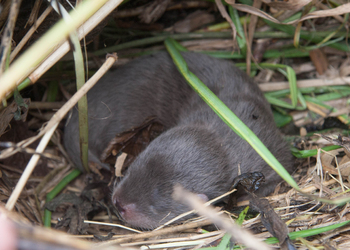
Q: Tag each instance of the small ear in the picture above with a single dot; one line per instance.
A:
(203, 197)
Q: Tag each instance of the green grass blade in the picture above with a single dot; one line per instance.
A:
(344, 118)
(281, 119)
(63, 183)
(242, 43)
(224, 243)
(291, 76)
(312, 152)
(82, 103)
(226, 114)
(308, 232)
(289, 29)
(242, 216)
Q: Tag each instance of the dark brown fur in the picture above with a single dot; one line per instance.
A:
(198, 150)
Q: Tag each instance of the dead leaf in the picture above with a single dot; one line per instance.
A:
(119, 165)
(193, 21)
(249, 182)
(93, 199)
(154, 11)
(344, 69)
(6, 114)
(270, 219)
(344, 167)
(273, 223)
(319, 59)
(327, 164)
(132, 142)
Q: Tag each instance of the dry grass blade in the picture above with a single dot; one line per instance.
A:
(210, 235)
(112, 225)
(42, 48)
(345, 8)
(228, 19)
(268, 86)
(287, 5)
(30, 33)
(34, 237)
(213, 201)
(236, 232)
(249, 36)
(29, 168)
(82, 31)
(164, 231)
(51, 127)
(66, 107)
(340, 10)
(252, 10)
(8, 33)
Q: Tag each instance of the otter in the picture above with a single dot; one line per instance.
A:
(197, 149)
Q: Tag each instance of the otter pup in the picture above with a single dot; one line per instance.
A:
(197, 150)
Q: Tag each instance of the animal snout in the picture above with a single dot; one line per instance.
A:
(127, 211)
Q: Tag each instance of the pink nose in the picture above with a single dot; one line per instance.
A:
(127, 211)
(132, 213)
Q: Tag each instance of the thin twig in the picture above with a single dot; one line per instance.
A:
(273, 86)
(30, 32)
(164, 231)
(239, 234)
(8, 33)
